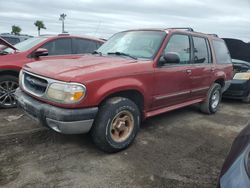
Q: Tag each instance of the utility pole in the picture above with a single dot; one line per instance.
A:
(62, 18)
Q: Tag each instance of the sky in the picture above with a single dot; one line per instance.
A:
(103, 18)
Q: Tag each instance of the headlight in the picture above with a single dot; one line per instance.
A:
(242, 76)
(66, 93)
(20, 77)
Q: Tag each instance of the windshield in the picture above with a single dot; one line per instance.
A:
(26, 45)
(139, 44)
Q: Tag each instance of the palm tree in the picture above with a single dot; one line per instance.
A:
(62, 18)
(16, 30)
(40, 25)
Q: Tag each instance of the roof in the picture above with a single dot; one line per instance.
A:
(68, 35)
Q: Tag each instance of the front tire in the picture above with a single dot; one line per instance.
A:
(116, 124)
(8, 86)
(211, 104)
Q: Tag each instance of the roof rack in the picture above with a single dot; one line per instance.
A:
(183, 28)
(215, 35)
(63, 34)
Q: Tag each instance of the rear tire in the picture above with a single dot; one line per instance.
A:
(116, 125)
(211, 104)
(8, 86)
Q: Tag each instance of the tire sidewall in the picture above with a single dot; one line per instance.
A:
(101, 129)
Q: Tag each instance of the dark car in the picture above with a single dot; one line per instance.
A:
(235, 172)
(14, 39)
(240, 85)
(12, 59)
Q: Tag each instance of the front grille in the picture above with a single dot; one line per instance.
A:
(34, 84)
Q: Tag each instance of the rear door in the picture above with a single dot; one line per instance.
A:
(172, 81)
(201, 67)
(83, 46)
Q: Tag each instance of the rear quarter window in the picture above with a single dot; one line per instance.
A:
(222, 54)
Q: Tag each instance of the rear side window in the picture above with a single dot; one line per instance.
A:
(59, 47)
(221, 52)
(179, 44)
(201, 52)
(82, 46)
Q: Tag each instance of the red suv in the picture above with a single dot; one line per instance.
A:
(35, 49)
(136, 74)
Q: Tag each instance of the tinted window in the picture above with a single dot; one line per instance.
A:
(179, 44)
(59, 47)
(98, 44)
(221, 52)
(82, 46)
(201, 54)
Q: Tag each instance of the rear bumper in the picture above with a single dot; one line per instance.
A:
(239, 89)
(66, 121)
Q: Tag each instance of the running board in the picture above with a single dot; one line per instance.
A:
(170, 108)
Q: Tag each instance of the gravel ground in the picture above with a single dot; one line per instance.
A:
(183, 148)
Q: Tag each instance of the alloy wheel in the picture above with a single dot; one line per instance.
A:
(7, 90)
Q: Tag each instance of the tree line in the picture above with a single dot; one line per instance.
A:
(16, 30)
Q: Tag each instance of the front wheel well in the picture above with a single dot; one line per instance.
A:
(133, 95)
(220, 81)
(9, 72)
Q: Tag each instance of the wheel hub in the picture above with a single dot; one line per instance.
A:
(122, 126)
(7, 90)
(215, 99)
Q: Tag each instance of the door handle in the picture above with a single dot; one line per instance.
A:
(212, 69)
(189, 71)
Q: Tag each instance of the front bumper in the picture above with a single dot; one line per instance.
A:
(226, 86)
(239, 89)
(66, 121)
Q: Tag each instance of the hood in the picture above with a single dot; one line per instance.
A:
(69, 69)
(5, 43)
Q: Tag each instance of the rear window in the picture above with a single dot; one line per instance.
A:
(221, 52)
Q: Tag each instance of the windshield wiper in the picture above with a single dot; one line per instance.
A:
(122, 54)
(96, 52)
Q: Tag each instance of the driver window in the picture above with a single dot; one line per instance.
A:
(59, 47)
(179, 44)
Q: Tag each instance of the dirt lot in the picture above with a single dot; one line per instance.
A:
(183, 148)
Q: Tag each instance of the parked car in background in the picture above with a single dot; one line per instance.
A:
(135, 75)
(235, 172)
(12, 59)
(240, 86)
(14, 39)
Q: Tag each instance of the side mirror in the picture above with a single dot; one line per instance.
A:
(41, 52)
(171, 58)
